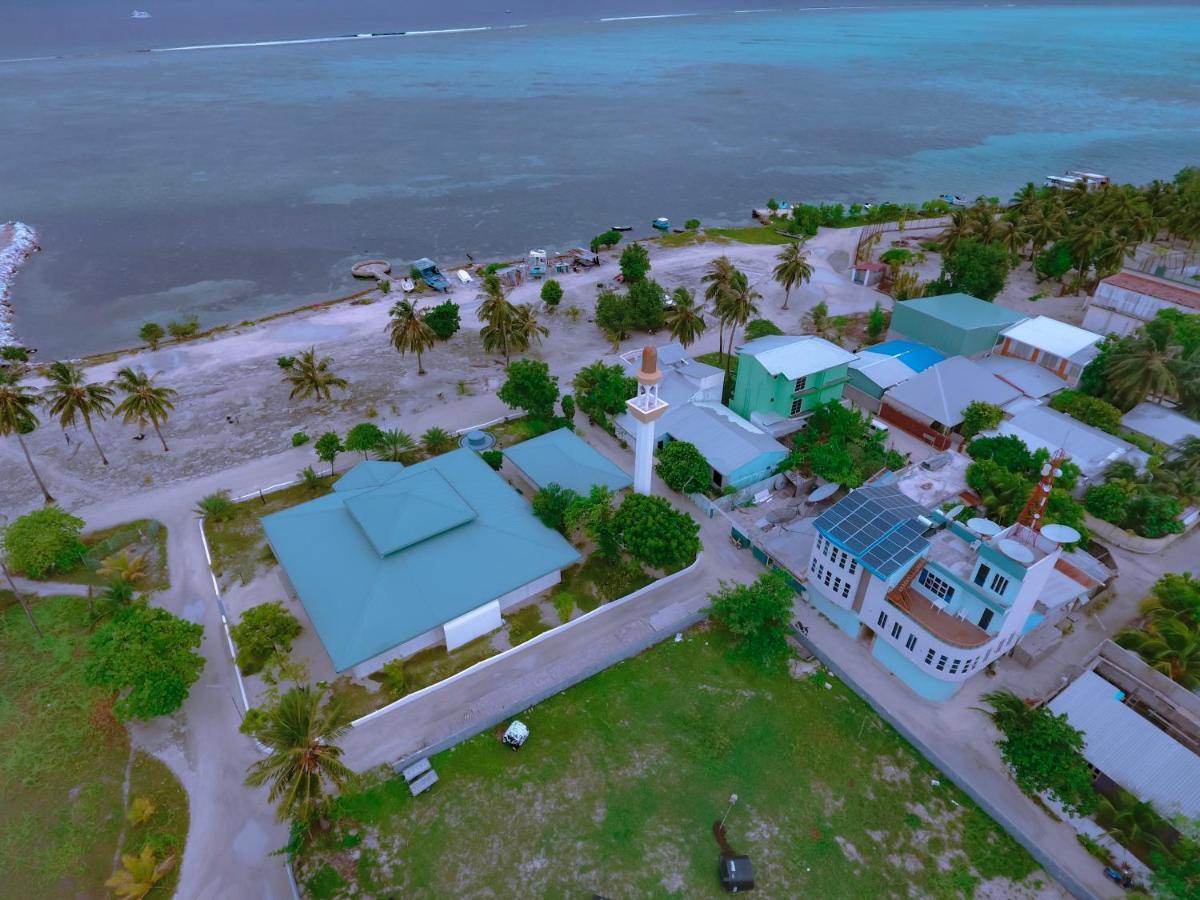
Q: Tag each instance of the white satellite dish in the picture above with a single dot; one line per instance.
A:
(985, 527)
(824, 492)
(1015, 551)
(953, 514)
(1061, 534)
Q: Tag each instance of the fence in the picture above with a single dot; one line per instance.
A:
(869, 231)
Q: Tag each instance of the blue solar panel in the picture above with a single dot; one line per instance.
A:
(879, 525)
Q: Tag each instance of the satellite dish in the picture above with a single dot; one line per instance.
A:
(953, 514)
(1061, 534)
(986, 527)
(824, 492)
(1018, 552)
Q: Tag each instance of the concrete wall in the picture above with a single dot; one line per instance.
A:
(1114, 534)
(476, 623)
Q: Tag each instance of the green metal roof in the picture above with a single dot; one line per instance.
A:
(379, 564)
(563, 458)
(963, 311)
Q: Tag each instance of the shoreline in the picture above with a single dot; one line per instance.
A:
(18, 242)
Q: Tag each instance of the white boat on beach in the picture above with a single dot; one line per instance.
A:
(407, 286)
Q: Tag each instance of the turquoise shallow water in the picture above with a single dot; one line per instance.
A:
(231, 183)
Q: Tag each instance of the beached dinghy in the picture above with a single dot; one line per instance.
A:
(662, 223)
(622, 228)
(408, 286)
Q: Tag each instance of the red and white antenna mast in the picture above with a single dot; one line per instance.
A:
(1035, 506)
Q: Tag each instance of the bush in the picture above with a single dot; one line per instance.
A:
(1089, 410)
(184, 328)
(493, 458)
(980, 416)
(1154, 515)
(44, 541)
(299, 439)
(635, 263)
(552, 293)
(757, 615)
(262, 632)
(1054, 262)
(604, 240)
(691, 224)
(760, 328)
(877, 321)
(1108, 502)
(897, 256)
(310, 479)
(568, 409)
(601, 390)
(652, 531)
(531, 387)
(1008, 451)
(646, 305)
(564, 605)
(437, 440)
(683, 468)
(551, 504)
(216, 506)
(285, 362)
(393, 678)
(363, 438)
(977, 268)
(838, 444)
(443, 319)
(152, 333)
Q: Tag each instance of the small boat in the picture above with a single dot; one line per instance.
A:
(408, 286)
(662, 223)
(432, 275)
(140, 14)
(622, 228)
(954, 200)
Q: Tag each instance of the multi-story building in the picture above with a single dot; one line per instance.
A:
(935, 601)
(782, 378)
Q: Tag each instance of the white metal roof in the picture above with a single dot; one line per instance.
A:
(1052, 336)
(1041, 427)
(944, 390)
(1159, 422)
(796, 355)
(1129, 749)
(882, 370)
(1027, 377)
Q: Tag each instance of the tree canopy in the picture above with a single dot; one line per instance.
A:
(977, 268)
(262, 632)
(635, 263)
(757, 615)
(551, 505)
(443, 319)
(363, 438)
(531, 387)
(654, 532)
(839, 445)
(683, 468)
(327, 447)
(601, 390)
(980, 416)
(44, 541)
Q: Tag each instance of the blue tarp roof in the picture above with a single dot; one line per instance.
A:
(916, 356)
(563, 458)
(383, 559)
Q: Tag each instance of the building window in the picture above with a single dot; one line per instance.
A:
(954, 666)
(999, 583)
(846, 589)
(828, 577)
(941, 666)
(800, 383)
(897, 630)
(986, 619)
(981, 574)
(882, 620)
(813, 567)
(936, 586)
(842, 560)
(797, 406)
(911, 643)
(853, 565)
(929, 656)
(837, 585)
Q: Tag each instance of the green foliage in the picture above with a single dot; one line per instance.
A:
(184, 328)
(596, 516)
(760, 328)
(877, 321)
(614, 315)
(1177, 874)
(683, 468)
(443, 319)
(494, 458)
(1055, 261)
(839, 445)
(327, 447)
(551, 505)
(757, 615)
(44, 541)
(1109, 502)
(1008, 451)
(897, 256)
(552, 292)
(604, 240)
(148, 656)
(363, 438)
(1044, 752)
(646, 305)
(397, 446)
(310, 479)
(437, 440)
(564, 605)
(531, 387)
(1089, 410)
(1154, 515)
(216, 507)
(393, 678)
(262, 632)
(691, 224)
(568, 409)
(977, 268)
(285, 362)
(980, 416)
(635, 263)
(299, 439)
(601, 390)
(152, 333)
(654, 532)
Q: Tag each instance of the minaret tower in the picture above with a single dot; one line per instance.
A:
(645, 408)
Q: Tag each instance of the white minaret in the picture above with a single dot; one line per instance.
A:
(646, 407)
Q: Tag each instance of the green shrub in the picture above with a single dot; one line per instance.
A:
(1089, 410)
(299, 439)
(182, 329)
(285, 362)
(44, 541)
(980, 416)
(604, 240)
(564, 605)
(393, 678)
(443, 319)
(309, 478)
(152, 333)
(1154, 515)
(691, 224)
(493, 458)
(552, 293)
(216, 506)
(262, 632)
(1108, 502)
(683, 467)
(761, 328)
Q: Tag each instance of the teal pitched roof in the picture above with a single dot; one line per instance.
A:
(964, 311)
(376, 565)
(562, 457)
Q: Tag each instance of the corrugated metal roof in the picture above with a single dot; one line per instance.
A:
(794, 356)
(363, 602)
(915, 355)
(879, 524)
(1170, 291)
(962, 311)
(1041, 427)
(563, 458)
(1028, 377)
(882, 371)
(1053, 336)
(1160, 423)
(943, 391)
(725, 439)
(1129, 749)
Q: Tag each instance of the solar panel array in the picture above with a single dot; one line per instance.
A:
(879, 525)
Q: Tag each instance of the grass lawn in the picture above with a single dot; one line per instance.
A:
(143, 536)
(238, 543)
(166, 828)
(753, 234)
(718, 360)
(623, 775)
(62, 761)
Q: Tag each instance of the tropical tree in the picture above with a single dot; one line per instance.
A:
(816, 320)
(718, 277)
(684, 319)
(527, 330)
(437, 440)
(792, 270)
(144, 400)
(757, 616)
(596, 516)
(530, 386)
(139, 874)
(70, 397)
(363, 438)
(499, 318)
(396, 446)
(1142, 367)
(126, 567)
(305, 761)
(1133, 822)
(741, 306)
(409, 332)
(312, 377)
(17, 417)
(1170, 647)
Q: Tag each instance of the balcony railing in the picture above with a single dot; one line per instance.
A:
(941, 624)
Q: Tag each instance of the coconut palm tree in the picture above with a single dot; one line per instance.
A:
(1134, 823)
(684, 319)
(70, 396)
(313, 377)
(305, 761)
(17, 417)
(144, 401)
(396, 446)
(718, 276)
(408, 332)
(527, 330)
(499, 318)
(962, 225)
(1174, 596)
(740, 307)
(1145, 366)
(792, 270)
(1084, 239)
(1170, 647)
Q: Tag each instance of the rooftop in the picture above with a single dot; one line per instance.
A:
(562, 457)
(884, 371)
(1168, 291)
(1167, 426)
(963, 311)
(944, 390)
(1027, 377)
(724, 438)
(881, 526)
(1041, 427)
(795, 356)
(396, 551)
(916, 356)
(1054, 336)
(941, 624)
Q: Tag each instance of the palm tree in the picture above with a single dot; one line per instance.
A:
(816, 320)
(718, 276)
(1174, 596)
(792, 271)
(409, 333)
(684, 319)
(740, 307)
(1145, 366)
(498, 316)
(961, 225)
(1084, 240)
(1134, 823)
(144, 400)
(70, 397)
(1169, 647)
(305, 760)
(17, 417)
(437, 440)
(396, 446)
(527, 330)
(312, 377)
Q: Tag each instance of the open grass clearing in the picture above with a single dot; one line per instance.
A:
(617, 788)
(752, 234)
(166, 828)
(141, 537)
(62, 760)
(597, 580)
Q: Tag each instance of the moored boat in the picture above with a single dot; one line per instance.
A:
(622, 228)
(662, 223)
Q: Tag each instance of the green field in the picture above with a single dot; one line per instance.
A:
(617, 789)
(62, 764)
(145, 537)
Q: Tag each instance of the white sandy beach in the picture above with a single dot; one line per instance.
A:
(17, 242)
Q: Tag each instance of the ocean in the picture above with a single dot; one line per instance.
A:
(238, 181)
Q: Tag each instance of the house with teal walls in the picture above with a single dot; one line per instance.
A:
(783, 378)
(952, 324)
